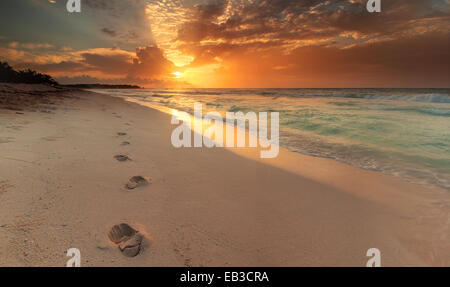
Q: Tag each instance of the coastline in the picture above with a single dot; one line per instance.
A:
(61, 188)
(397, 133)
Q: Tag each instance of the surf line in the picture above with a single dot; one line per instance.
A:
(209, 130)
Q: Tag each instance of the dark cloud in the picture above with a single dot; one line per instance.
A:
(147, 65)
(309, 19)
(210, 11)
(109, 32)
(412, 62)
(408, 62)
(108, 64)
(125, 20)
(56, 67)
(274, 42)
(150, 62)
(311, 42)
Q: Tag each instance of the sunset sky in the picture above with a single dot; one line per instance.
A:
(231, 44)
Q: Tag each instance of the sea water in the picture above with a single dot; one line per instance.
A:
(403, 132)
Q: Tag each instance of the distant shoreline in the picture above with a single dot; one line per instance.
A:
(102, 86)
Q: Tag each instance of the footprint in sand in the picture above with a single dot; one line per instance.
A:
(16, 128)
(122, 157)
(125, 143)
(117, 115)
(128, 239)
(5, 140)
(51, 139)
(137, 181)
(4, 186)
(121, 134)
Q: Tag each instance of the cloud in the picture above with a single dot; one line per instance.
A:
(29, 46)
(407, 62)
(109, 32)
(145, 65)
(57, 68)
(32, 56)
(253, 43)
(125, 20)
(112, 64)
(300, 23)
(150, 62)
(319, 43)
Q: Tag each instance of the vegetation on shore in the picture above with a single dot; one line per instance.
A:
(28, 76)
(102, 86)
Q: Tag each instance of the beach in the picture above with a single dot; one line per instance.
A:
(61, 187)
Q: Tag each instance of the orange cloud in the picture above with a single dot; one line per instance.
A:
(318, 43)
(265, 43)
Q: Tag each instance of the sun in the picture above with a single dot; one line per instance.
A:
(177, 74)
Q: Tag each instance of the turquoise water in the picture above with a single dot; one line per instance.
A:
(404, 132)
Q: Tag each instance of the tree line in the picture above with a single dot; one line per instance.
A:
(28, 76)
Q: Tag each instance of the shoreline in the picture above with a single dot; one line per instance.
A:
(404, 164)
(287, 149)
(60, 188)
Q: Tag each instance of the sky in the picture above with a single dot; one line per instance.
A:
(231, 44)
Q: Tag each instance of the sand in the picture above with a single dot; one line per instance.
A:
(62, 187)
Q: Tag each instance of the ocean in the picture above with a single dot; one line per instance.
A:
(402, 132)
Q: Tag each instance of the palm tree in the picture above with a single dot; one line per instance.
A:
(7, 73)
